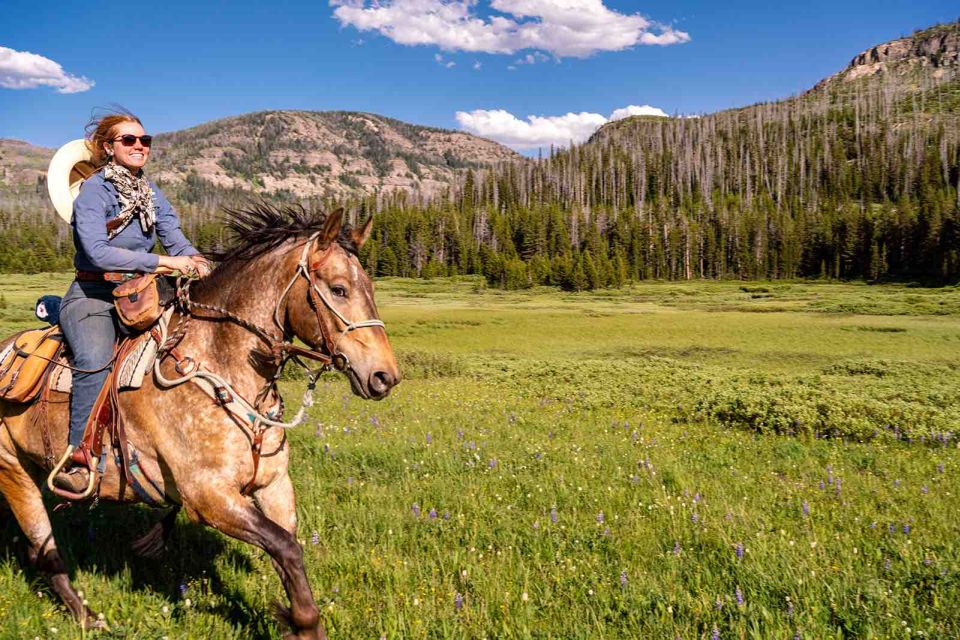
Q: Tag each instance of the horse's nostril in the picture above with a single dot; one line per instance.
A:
(381, 381)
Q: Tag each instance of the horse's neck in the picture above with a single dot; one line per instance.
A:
(249, 291)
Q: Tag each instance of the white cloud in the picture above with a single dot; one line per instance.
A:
(542, 131)
(634, 110)
(532, 58)
(563, 28)
(25, 70)
(477, 65)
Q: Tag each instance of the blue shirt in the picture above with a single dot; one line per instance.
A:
(129, 250)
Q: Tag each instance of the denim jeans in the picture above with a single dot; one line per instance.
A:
(90, 327)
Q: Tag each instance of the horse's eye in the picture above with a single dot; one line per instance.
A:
(340, 292)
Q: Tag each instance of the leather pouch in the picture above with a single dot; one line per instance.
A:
(23, 365)
(140, 301)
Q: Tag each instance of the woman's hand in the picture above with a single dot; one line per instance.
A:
(203, 265)
(184, 264)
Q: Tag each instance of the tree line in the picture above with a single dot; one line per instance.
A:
(853, 181)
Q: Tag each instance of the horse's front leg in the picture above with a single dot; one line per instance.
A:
(238, 517)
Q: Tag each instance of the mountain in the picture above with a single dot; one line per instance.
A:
(332, 153)
(298, 153)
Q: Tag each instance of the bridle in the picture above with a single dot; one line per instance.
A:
(282, 350)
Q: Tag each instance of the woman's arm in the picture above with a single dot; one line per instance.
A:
(90, 231)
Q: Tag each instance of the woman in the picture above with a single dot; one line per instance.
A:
(117, 218)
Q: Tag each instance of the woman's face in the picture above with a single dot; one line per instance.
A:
(134, 156)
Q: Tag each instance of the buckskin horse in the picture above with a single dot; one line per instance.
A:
(288, 274)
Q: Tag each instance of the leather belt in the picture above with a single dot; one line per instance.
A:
(104, 276)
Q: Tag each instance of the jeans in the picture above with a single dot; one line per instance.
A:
(90, 327)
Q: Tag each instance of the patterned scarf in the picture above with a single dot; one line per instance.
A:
(136, 198)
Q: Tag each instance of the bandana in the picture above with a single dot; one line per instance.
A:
(136, 198)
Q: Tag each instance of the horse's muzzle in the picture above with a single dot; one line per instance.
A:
(380, 384)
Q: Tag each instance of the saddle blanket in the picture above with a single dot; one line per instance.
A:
(131, 372)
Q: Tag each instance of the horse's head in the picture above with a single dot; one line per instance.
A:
(331, 308)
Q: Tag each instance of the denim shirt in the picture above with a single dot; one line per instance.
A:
(129, 250)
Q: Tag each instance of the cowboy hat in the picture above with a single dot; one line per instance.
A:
(70, 166)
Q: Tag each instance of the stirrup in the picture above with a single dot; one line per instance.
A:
(64, 493)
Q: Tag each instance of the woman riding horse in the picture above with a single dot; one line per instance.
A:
(117, 218)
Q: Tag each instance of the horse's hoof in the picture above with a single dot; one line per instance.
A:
(94, 622)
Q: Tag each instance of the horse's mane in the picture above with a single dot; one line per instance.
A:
(262, 227)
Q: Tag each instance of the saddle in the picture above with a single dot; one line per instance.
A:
(25, 361)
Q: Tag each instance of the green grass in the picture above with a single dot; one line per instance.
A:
(695, 417)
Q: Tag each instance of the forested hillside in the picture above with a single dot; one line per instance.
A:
(856, 178)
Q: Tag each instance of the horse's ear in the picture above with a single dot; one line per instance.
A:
(331, 228)
(361, 235)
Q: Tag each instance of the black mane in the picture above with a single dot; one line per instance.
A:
(262, 227)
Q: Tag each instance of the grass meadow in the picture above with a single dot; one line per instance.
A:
(671, 460)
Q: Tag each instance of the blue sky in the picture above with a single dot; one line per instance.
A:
(177, 64)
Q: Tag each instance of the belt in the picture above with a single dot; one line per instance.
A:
(104, 276)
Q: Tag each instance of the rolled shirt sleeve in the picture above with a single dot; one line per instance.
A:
(90, 233)
(168, 227)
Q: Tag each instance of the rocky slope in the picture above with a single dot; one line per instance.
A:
(935, 50)
(301, 152)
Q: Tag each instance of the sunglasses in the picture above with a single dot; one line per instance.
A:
(129, 140)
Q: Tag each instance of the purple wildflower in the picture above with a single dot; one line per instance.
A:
(600, 517)
(906, 529)
(838, 486)
(493, 463)
(536, 524)
(676, 548)
(623, 579)
(606, 531)
(458, 602)
(718, 604)
(739, 551)
(789, 607)
(797, 636)
(446, 515)
(739, 595)
(887, 564)
(924, 489)
(715, 634)
(416, 510)
(460, 434)
(822, 486)
(183, 588)
(896, 483)
(375, 421)
(940, 468)
(694, 518)
(432, 514)
(315, 538)
(805, 507)
(829, 474)
(696, 497)
(429, 438)
(553, 515)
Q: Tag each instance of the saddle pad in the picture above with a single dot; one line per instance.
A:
(132, 370)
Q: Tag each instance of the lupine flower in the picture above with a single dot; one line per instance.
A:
(829, 474)
(805, 508)
(315, 538)
(739, 551)
(796, 636)
(887, 564)
(838, 486)
(446, 515)
(715, 634)
(718, 604)
(696, 497)
(739, 595)
(600, 517)
(789, 607)
(416, 509)
(694, 518)
(553, 515)
(606, 531)
(676, 548)
(906, 529)
(822, 486)
(375, 421)
(183, 588)
(458, 602)
(432, 514)
(460, 434)
(940, 468)
(924, 489)
(493, 463)
(429, 438)
(623, 579)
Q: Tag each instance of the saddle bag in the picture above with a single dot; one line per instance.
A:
(24, 363)
(140, 301)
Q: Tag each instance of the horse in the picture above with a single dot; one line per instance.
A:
(288, 273)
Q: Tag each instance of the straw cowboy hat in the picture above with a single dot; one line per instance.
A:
(68, 169)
